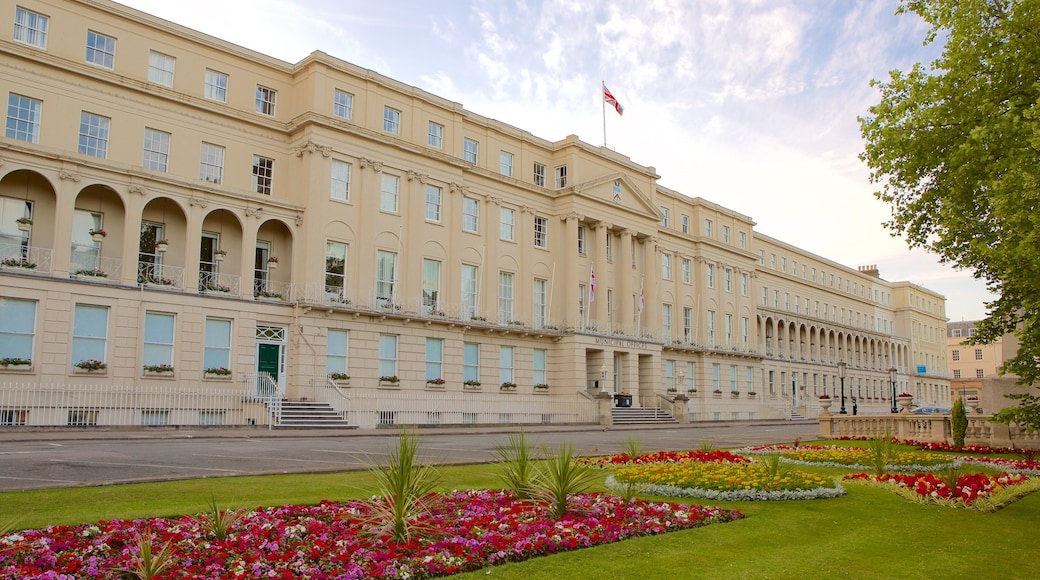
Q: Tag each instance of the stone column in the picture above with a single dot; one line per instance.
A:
(565, 293)
(599, 305)
(651, 317)
(624, 273)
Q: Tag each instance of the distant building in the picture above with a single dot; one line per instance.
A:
(204, 216)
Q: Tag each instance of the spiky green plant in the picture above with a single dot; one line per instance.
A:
(517, 463)
(707, 445)
(218, 522)
(950, 475)
(959, 421)
(404, 488)
(146, 563)
(559, 477)
(772, 465)
(630, 489)
(633, 447)
(882, 453)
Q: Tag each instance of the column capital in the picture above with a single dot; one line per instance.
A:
(367, 163)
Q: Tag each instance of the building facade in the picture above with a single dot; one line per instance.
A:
(181, 211)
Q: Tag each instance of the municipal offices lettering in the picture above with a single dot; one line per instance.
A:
(623, 343)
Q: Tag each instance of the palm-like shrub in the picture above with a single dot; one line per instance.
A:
(882, 452)
(517, 461)
(559, 477)
(405, 489)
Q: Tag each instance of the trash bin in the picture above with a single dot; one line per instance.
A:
(622, 400)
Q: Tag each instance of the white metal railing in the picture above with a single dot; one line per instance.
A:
(160, 275)
(271, 290)
(90, 405)
(87, 265)
(25, 257)
(219, 284)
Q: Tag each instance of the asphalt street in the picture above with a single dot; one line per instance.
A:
(52, 459)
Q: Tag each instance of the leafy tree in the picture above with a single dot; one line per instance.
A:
(955, 149)
(959, 418)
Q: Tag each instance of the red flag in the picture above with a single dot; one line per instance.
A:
(609, 98)
(592, 284)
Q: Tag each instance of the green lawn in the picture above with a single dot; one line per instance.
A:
(869, 533)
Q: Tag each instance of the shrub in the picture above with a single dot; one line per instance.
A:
(959, 419)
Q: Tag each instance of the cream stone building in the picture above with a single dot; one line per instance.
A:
(204, 216)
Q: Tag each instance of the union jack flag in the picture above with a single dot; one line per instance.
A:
(592, 284)
(609, 98)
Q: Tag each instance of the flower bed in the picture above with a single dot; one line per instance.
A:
(859, 458)
(475, 528)
(1010, 465)
(666, 457)
(973, 490)
(725, 481)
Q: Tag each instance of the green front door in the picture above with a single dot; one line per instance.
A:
(267, 361)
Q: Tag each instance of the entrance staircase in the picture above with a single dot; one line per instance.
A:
(641, 416)
(309, 415)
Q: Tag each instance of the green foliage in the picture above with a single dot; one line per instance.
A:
(517, 462)
(774, 467)
(404, 488)
(560, 476)
(959, 418)
(634, 448)
(882, 451)
(146, 562)
(707, 445)
(219, 522)
(1025, 415)
(954, 147)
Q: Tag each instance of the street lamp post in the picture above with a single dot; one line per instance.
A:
(892, 376)
(841, 375)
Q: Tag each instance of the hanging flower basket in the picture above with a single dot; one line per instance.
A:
(24, 224)
(162, 246)
(272, 263)
(98, 235)
(219, 255)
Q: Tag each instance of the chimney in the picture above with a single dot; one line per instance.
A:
(870, 270)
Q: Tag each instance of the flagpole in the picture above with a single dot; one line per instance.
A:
(639, 317)
(603, 103)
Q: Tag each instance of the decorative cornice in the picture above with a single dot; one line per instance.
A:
(199, 201)
(312, 147)
(524, 209)
(257, 213)
(573, 215)
(299, 220)
(494, 200)
(133, 188)
(376, 166)
(420, 177)
(75, 177)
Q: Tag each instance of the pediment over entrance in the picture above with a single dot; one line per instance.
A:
(619, 190)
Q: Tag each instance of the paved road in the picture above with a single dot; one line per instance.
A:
(40, 460)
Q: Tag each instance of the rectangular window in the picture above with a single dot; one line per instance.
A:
(216, 86)
(727, 280)
(505, 297)
(538, 365)
(745, 332)
(708, 228)
(765, 293)
(541, 232)
(23, 118)
(30, 27)
(669, 375)
(956, 373)
(540, 302)
(666, 322)
(539, 174)
(561, 177)
(469, 150)
(743, 284)
(388, 355)
(343, 104)
(684, 223)
(729, 329)
(160, 68)
(750, 380)
(711, 275)
(776, 299)
(89, 333)
(725, 233)
(340, 185)
(434, 358)
(392, 121)
(581, 305)
(469, 291)
(609, 241)
(337, 352)
(470, 361)
(388, 192)
(156, 149)
(435, 135)
(711, 328)
(93, 134)
(715, 371)
(978, 354)
(17, 328)
(265, 100)
(664, 217)
(101, 49)
(732, 378)
(506, 224)
(386, 276)
(158, 339)
(610, 307)
(470, 214)
(742, 242)
(433, 203)
(979, 373)
(505, 364)
(783, 265)
(582, 249)
(431, 286)
(666, 267)
(505, 163)
(263, 175)
(335, 271)
(687, 322)
(956, 355)
(211, 164)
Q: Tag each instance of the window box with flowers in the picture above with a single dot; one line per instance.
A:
(541, 388)
(752, 394)
(508, 386)
(91, 273)
(219, 255)
(212, 288)
(268, 295)
(162, 245)
(160, 370)
(272, 263)
(217, 373)
(734, 394)
(717, 393)
(435, 383)
(18, 263)
(340, 379)
(16, 364)
(390, 380)
(90, 366)
(98, 235)
(24, 224)
(471, 385)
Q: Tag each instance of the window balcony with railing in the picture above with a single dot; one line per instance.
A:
(219, 284)
(21, 256)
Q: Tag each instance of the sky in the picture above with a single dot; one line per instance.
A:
(751, 104)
